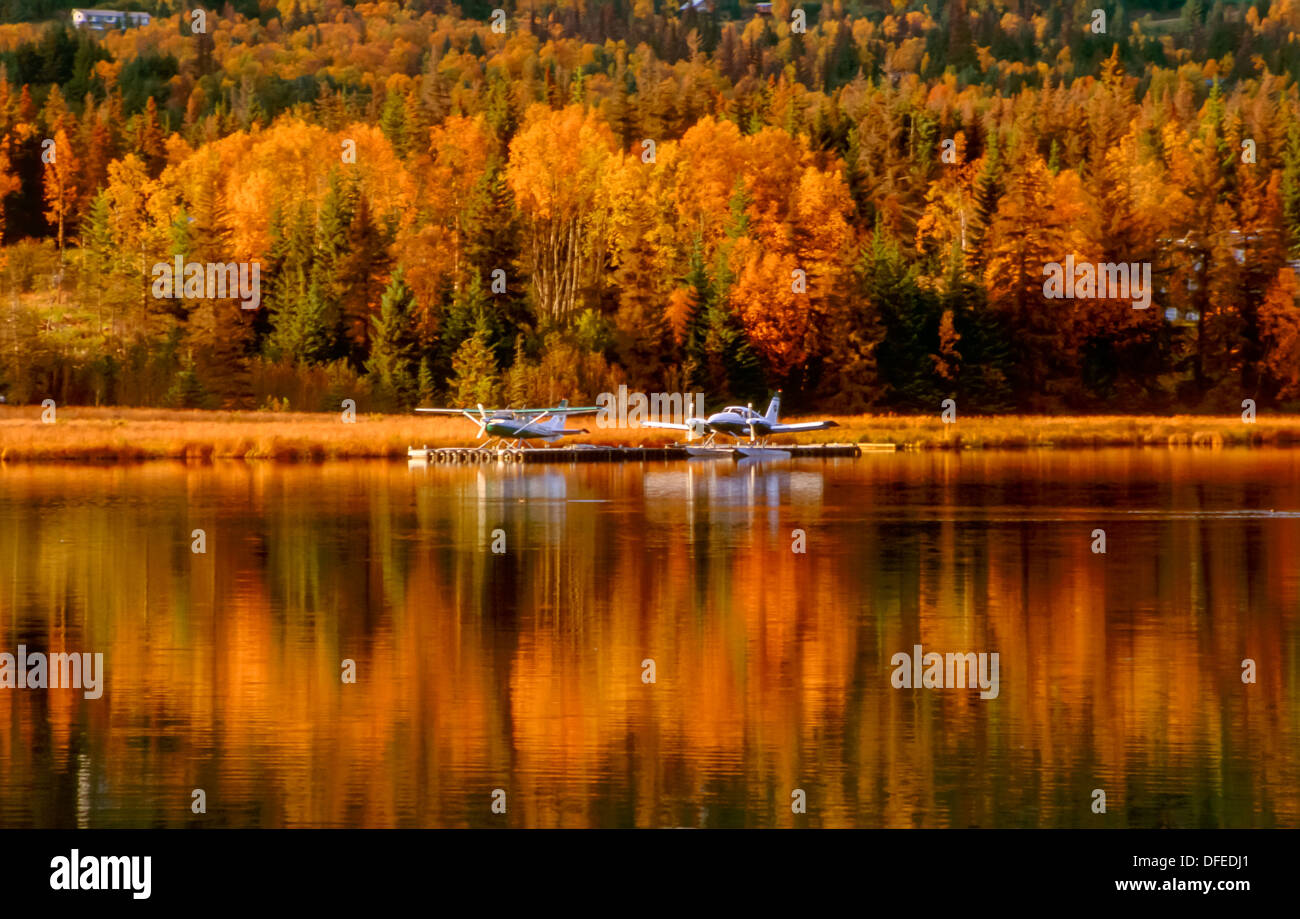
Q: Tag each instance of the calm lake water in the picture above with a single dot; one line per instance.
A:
(525, 670)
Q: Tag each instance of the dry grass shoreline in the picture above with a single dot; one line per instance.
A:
(131, 434)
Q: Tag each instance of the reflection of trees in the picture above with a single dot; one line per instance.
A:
(522, 670)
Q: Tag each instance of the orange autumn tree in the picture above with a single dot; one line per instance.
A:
(775, 314)
(1279, 317)
(1036, 223)
(62, 170)
(790, 261)
(9, 182)
(646, 249)
(712, 153)
(451, 166)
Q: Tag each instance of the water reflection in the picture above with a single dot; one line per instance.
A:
(522, 669)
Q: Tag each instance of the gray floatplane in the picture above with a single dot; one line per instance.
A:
(509, 429)
(748, 428)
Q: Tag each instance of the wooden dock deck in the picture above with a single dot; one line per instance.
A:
(582, 453)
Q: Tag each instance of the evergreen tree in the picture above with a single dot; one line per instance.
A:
(470, 311)
(697, 280)
(304, 326)
(988, 190)
(492, 238)
(220, 331)
(392, 121)
(415, 123)
(97, 241)
(425, 386)
(330, 251)
(149, 145)
(475, 379)
(910, 315)
(392, 362)
(983, 375)
(358, 281)
(187, 390)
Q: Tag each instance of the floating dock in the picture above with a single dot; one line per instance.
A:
(586, 453)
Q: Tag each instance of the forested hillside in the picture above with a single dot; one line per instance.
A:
(854, 201)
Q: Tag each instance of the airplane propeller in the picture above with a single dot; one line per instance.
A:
(483, 420)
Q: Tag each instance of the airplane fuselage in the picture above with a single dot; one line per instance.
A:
(518, 428)
(737, 425)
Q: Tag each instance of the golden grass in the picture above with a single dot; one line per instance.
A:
(117, 434)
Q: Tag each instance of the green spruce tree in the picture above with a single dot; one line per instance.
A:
(392, 362)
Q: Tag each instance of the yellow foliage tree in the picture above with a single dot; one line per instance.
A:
(557, 161)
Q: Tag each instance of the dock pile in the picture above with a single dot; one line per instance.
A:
(586, 453)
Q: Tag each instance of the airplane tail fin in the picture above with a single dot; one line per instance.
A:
(558, 417)
(773, 409)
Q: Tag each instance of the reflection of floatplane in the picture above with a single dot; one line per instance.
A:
(738, 451)
(740, 422)
(721, 491)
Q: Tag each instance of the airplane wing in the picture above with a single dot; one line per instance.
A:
(664, 424)
(803, 426)
(557, 410)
